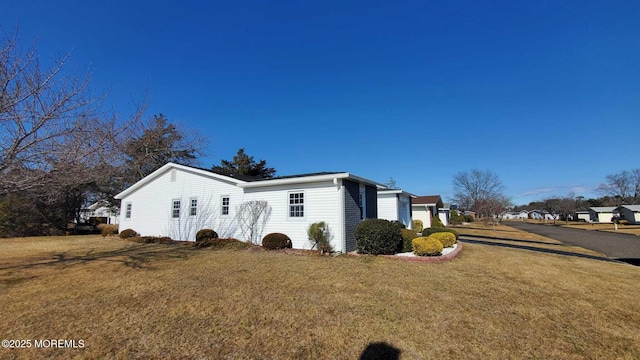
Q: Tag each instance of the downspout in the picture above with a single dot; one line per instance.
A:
(340, 189)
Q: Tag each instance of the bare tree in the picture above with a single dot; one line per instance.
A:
(480, 191)
(624, 186)
(252, 217)
(57, 144)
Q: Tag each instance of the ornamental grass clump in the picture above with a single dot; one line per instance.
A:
(424, 246)
(447, 239)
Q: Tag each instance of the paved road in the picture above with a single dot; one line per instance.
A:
(615, 246)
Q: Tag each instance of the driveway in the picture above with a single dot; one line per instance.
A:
(615, 246)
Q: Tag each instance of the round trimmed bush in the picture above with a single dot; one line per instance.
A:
(275, 241)
(425, 246)
(378, 237)
(128, 233)
(432, 230)
(407, 236)
(447, 239)
(206, 234)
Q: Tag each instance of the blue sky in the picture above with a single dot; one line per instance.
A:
(546, 94)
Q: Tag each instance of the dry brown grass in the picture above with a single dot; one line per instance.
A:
(129, 300)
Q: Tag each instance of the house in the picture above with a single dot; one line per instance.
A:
(601, 214)
(424, 207)
(395, 205)
(178, 200)
(583, 215)
(630, 213)
(99, 212)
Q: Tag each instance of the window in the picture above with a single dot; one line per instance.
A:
(296, 204)
(175, 209)
(127, 212)
(225, 205)
(193, 208)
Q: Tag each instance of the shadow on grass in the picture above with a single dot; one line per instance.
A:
(536, 249)
(380, 351)
(135, 256)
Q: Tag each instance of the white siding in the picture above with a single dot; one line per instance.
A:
(321, 203)
(420, 212)
(388, 206)
(151, 206)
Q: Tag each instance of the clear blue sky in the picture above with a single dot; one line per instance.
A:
(544, 93)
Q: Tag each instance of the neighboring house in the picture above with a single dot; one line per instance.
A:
(395, 205)
(99, 213)
(630, 213)
(178, 200)
(583, 215)
(601, 214)
(424, 207)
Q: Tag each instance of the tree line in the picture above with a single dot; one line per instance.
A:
(62, 148)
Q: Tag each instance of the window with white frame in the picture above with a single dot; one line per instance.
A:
(296, 204)
(175, 209)
(193, 207)
(225, 205)
(127, 212)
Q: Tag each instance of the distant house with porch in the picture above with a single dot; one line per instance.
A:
(630, 213)
(602, 214)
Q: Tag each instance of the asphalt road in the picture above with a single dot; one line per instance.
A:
(615, 246)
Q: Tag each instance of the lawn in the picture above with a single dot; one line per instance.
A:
(128, 300)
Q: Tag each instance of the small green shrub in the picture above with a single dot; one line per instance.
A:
(108, 229)
(447, 239)
(436, 222)
(378, 237)
(206, 234)
(127, 233)
(407, 237)
(424, 246)
(417, 225)
(318, 233)
(276, 241)
(429, 231)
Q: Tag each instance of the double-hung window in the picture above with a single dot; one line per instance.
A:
(225, 205)
(296, 204)
(175, 209)
(193, 207)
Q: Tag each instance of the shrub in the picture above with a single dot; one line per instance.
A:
(151, 239)
(276, 241)
(319, 235)
(447, 239)
(425, 246)
(417, 225)
(407, 236)
(206, 234)
(429, 231)
(127, 233)
(436, 222)
(378, 237)
(106, 230)
(221, 243)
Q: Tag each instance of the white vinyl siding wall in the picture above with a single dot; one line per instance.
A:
(153, 201)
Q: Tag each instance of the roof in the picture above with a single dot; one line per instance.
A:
(247, 181)
(395, 191)
(427, 200)
(599, 209)
(634, 208)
